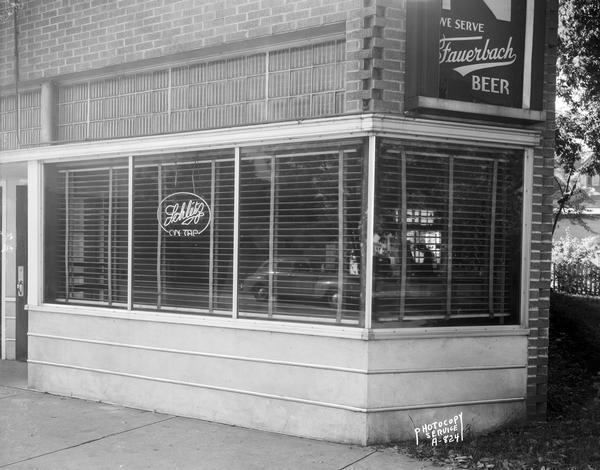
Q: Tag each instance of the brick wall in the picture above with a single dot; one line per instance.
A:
(541, 243)
(64, 36)
(375, 45)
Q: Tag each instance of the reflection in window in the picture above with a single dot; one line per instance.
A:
(299, 234)
(88, 216)
(447, 237)
(178, 271)
(447, 234)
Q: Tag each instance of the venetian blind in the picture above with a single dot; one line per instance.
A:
(175, 271)
(299, 250)
(447, 236)
(91, 236)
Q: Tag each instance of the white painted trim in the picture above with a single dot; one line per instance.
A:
(334, 331)
(425, 406)
(236, 233)
(431, 130)
(130, 170)
(425, 103)
(448, 332)
(3, 297)
(372, 151)
(279, 397)
(528, 171)
(279, 362)
(274, 326)
(10, 299)
(412, 129)
(35, 233)
(528, 54)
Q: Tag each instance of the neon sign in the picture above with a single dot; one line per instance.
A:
(184, 214)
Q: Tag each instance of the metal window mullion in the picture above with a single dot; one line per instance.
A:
(526, 221)
(340, 286)
(109, 230)
(370, 229)
(159, 245)
(67, 234)
(236, 228)
(18, 118)
(88, 110)
(169, 98)
(130, 234)
(289, 89)
(450, 240)
(211, 255)
(493, 239)
(403, 247)
(312, 85)
(267, 85)
(271, 236)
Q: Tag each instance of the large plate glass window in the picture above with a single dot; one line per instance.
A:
(86, 233)
(447, 236)
(182, 251)
(300, 231)
(183, 232)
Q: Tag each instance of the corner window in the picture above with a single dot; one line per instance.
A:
(447, 236)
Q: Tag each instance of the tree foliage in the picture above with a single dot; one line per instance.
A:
(578, 85)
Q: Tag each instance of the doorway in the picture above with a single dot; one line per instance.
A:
(21, 314)
(2, 243)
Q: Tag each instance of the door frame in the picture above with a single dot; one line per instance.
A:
(2, 269)
(21, 260)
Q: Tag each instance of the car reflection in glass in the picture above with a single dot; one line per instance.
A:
(300, 280)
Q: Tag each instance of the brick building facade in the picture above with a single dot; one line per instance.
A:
(125, 101)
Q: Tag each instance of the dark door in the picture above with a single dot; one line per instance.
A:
(21, 274)
(1, 273)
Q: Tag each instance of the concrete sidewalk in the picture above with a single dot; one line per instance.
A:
(42, 431)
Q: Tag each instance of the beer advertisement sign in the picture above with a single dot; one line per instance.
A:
(184, 215)
(481, 51)
(477, 51)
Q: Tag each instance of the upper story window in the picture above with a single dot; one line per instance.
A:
(285, 83)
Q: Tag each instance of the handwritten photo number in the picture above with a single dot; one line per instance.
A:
(444, 431)
(184, 215)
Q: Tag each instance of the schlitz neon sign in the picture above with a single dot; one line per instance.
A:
(184, 214)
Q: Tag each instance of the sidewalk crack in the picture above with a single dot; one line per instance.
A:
(10, 396)
(88, 442)
(358, 460)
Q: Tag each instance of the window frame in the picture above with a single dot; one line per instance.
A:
(454, 157)
(344, 127)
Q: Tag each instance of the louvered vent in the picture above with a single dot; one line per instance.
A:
(291, 83)
(28, 123)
